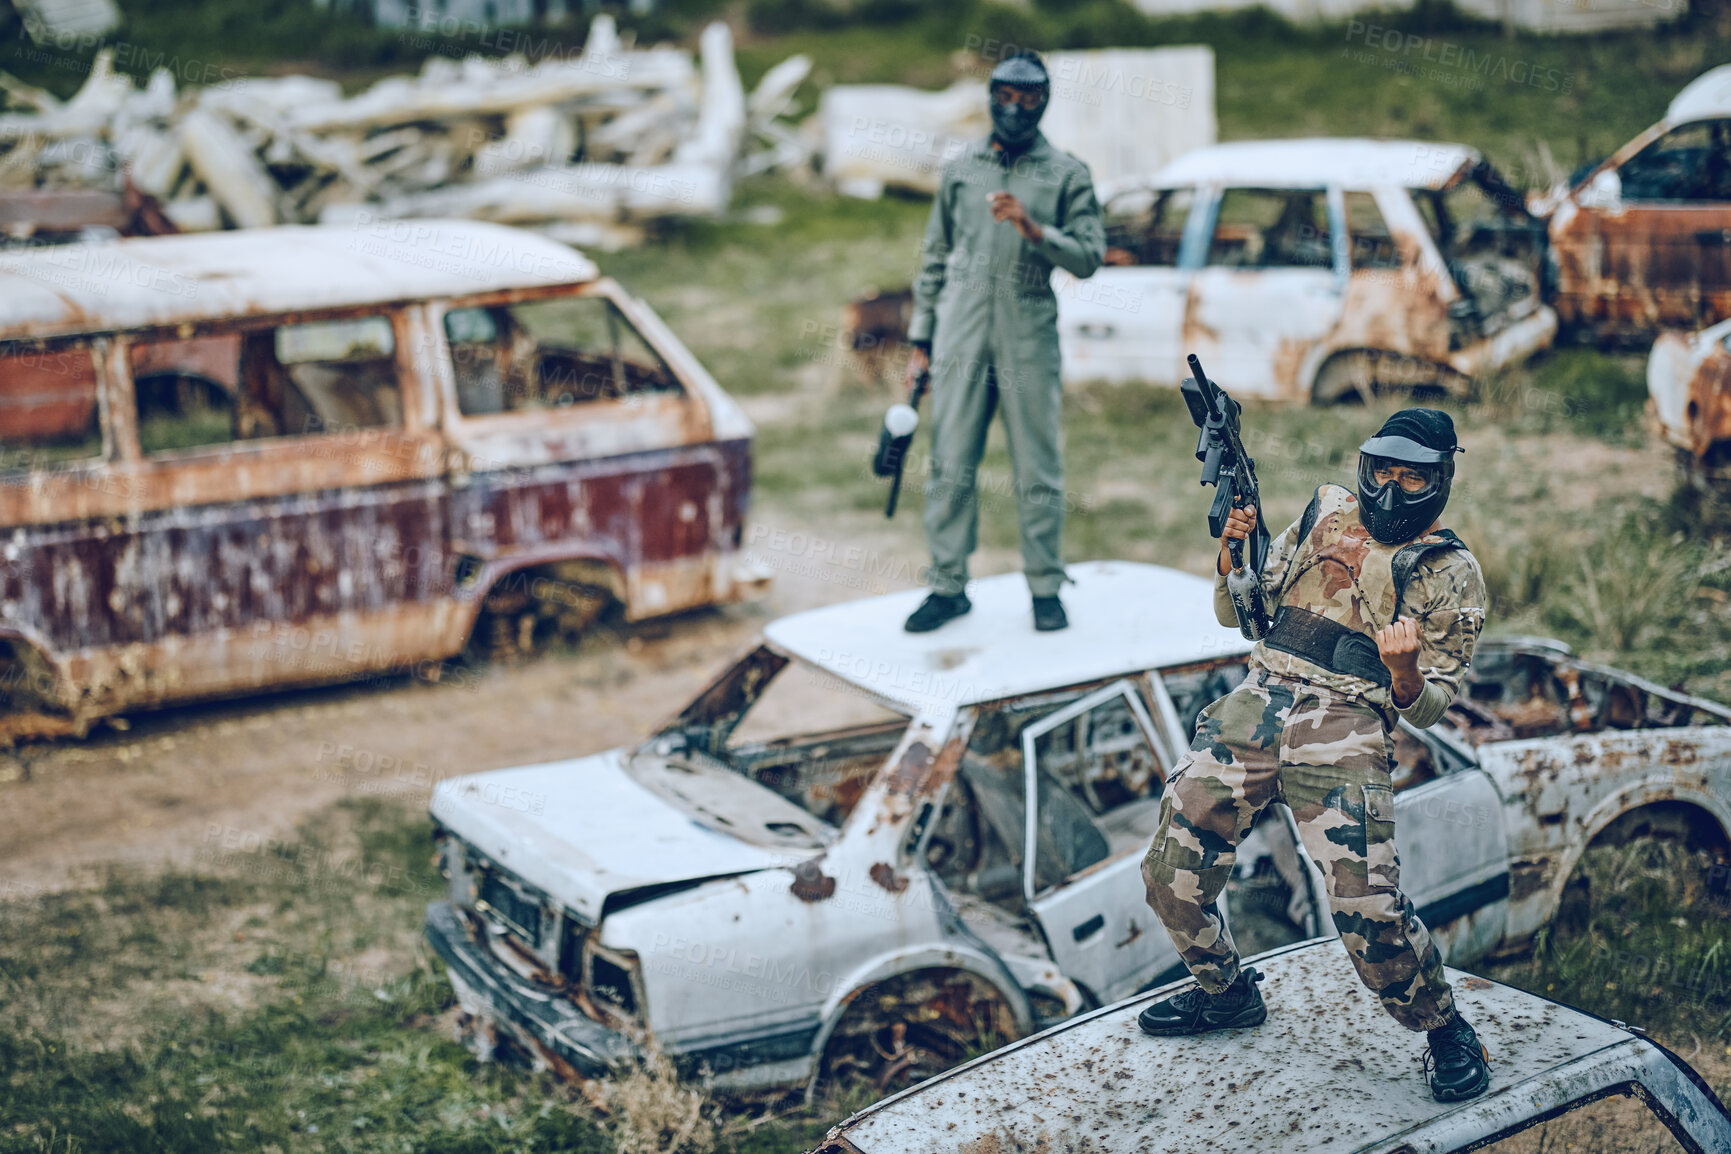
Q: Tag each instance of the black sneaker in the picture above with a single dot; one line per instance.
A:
(1049, 614)
(937, 609)
(1457, 1062)
(1196, 1011)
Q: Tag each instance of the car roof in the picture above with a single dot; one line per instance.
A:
(1125, 616)
(1706, 96)
(1098, 1083)
(100, 286)
(1321, 162)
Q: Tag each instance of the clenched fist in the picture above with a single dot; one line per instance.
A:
(1397, 644)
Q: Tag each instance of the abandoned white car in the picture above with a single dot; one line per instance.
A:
(1689, 400)
(1311, 270)
(859, 848)
(1329, 1070)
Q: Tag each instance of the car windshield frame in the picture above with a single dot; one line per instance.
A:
(700, 733)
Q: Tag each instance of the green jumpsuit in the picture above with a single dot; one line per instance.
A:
(984, 300)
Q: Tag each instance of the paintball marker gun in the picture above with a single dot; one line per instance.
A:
(1232, 472)
(894, 438)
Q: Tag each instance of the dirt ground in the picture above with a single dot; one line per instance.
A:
(180, 780)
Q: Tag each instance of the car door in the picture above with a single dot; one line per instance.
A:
(1125, 323)
(1272, 283)
(1093, 776)
(1453, 846)
(1650, 243)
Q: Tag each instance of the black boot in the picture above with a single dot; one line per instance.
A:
(1458, 1065)
(1196, 1011)
(937, 609)
(1049, 614)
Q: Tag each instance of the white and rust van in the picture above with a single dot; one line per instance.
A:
(241, 461)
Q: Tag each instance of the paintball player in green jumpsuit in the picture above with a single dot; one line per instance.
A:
(1376, 609)
(985, 320)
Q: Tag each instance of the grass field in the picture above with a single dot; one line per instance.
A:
(277, 997)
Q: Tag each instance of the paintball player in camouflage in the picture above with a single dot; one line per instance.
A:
(1376, 609)
(986, 321)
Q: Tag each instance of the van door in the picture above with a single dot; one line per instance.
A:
(1125, 322)
(290, 521)
(581, 443)
(1272, 284)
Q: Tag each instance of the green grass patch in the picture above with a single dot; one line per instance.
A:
(277, 996)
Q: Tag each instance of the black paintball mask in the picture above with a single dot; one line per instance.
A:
(1415, 453)
(1013, 125)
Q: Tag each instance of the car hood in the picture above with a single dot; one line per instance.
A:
(584, 830)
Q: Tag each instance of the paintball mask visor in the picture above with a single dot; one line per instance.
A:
(1402, 486)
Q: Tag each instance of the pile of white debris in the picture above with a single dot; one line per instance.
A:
(587, 146)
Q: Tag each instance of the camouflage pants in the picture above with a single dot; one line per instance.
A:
(1326, 756)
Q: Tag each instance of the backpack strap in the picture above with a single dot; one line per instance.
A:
(1407, 559)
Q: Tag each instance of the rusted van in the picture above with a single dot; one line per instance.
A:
(241, 461)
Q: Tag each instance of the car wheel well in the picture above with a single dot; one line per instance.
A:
(1694, 826)
(913, 1025)
(1679, 823)
(1353, 376)
(541, 604)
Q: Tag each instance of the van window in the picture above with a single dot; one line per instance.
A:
(1271, 228)
(48, 407)
(549, 354)
(318, 377)
(1372, 244)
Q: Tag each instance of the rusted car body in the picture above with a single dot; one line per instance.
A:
(280, 457)
(1303, 270)
(1328, 1071)
(1689, 398)
(859, 851)
(1642, 241)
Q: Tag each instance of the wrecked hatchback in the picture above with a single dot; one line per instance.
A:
(1311, 270)
(1642, 240)
(242, 461)
(863, 854)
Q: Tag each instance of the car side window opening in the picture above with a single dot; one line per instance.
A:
(1271, 228)
(805, 735)
(49, 414)
(1619, 1121)
(1372, 243)
(549, 354)
(1145, 226)
(1691, 163)
(316, 377)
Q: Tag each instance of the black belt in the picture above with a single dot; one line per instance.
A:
(1327, 643)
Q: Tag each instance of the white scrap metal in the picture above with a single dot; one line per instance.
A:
(589, 145)
(1122, 110)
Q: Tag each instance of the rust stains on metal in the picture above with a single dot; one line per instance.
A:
(810, 883)
(885, 876)
(906, 777)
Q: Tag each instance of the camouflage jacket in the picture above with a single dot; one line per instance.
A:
(1338, 569)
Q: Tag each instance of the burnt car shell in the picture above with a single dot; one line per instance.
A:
(275, 457)
(1642, 240)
